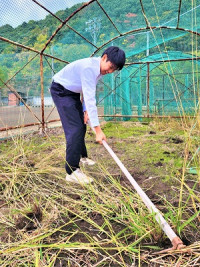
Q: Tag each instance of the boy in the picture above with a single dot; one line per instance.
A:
(81, 77)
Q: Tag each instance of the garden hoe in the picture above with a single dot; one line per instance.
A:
(175, 240)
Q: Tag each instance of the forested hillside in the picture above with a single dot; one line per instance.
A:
(124, 14)
(70, 46)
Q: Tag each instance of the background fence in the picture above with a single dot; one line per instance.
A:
(160, 39)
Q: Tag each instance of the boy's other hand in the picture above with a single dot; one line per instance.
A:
(86, 118)
(100, 136)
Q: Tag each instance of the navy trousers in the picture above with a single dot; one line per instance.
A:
(71, 114)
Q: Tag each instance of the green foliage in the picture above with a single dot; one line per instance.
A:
(124, 16)
(3, 79)
(70, 46)
(3, 75)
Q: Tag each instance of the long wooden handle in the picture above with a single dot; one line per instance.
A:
(159, 218)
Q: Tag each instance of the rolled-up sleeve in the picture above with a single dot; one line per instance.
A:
(88, 81)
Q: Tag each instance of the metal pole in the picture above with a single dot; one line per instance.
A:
(148, 86)
(147, 51)
(164, 60)
(143, 116)
(163, 87)
(52, 62)
(42, 91)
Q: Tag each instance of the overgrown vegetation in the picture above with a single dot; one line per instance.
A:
(47, 222)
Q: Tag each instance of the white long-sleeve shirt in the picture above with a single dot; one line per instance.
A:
(81, 76)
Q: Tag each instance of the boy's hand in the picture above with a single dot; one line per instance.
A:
(86, 118)
(99, 134)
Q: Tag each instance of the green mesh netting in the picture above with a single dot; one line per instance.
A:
(173, 88)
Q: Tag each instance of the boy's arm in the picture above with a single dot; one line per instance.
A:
(86, 117)
(89, 88)
(97, 129)
(88, 80)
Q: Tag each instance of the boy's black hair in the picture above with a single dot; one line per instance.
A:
(116, 56)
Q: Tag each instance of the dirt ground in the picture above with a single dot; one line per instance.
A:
(154, 157)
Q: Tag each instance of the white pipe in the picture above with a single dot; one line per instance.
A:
(159, 218)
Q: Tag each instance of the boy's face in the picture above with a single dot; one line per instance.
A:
(106, 66)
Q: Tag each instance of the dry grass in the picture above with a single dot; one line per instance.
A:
(47, 222)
